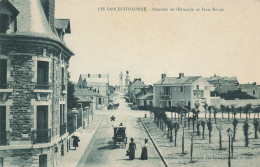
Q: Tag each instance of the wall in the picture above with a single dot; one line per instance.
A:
(216, 101)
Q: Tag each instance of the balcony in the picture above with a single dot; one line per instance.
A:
(41, 136)
(43, 85)
(63, 129)
(166, 95)
(5, 87)
(63, 89)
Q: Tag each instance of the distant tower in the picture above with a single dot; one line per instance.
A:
(121, 80)
(127, 78)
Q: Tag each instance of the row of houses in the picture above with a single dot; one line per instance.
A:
(185, 90)
(94, 88)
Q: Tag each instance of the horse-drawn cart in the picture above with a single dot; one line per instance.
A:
(119, 135)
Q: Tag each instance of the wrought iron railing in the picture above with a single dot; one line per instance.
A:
(71, 123)
(63, 129)
(43, 85)
(63, 87)
(41, 136)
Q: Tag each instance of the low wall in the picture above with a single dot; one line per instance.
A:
(217, 101)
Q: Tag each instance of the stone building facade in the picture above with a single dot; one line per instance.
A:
(33, 97)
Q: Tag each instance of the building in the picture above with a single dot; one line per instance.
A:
(33, 83)
(185, 90)
(98, 100)
(223, 84)
(97, 82)
(127, 79)
(134, 88)
(144, 99)
(251, 89)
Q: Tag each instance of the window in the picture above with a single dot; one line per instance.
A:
(43, 74)
(3, 23)
(43, 160)
(198, 87)
(253, 92)
(99, 100)
(62, 78)
(181, 88)
(3, 73)
(62, 113)
(2, 125)
(99, 75)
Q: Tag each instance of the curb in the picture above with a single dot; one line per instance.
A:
(154, 143)
(95, 131)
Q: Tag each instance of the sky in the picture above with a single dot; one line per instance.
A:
(149, 43)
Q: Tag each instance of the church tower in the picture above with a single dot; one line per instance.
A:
(121, 80)
(127, 78)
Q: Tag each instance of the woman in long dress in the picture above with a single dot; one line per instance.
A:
(144, 154)
(132, 148)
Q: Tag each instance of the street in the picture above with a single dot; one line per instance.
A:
(102, 152)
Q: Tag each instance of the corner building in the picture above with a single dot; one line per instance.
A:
(33, 83)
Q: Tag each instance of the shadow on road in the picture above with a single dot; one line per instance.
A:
(111, 146)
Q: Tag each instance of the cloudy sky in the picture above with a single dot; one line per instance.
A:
(201, 43)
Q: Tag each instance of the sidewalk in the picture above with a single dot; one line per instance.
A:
(71, 158)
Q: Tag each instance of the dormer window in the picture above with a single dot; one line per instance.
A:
(3, 23)
(8, 14)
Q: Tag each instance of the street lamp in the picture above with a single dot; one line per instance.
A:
(229, 133)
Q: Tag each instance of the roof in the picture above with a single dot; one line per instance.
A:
(248, 86)
(63, 24)
(217, 77)
(137, 83)
(84, 99)
(177, 80)
(148, 96)
(32, 20)
(85, 92)
(94, 78)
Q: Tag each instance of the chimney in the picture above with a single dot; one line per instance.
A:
(181, 75)
(254, 83)
(163, 76)
(49, 9)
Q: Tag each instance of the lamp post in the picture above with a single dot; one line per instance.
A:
(229, 133)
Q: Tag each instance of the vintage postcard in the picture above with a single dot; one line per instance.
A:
(102, 83)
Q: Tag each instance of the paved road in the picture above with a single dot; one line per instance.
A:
(101, 151)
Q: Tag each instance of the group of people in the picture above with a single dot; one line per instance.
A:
(132, 147)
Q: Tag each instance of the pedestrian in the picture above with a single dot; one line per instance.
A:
(75, 141)
(131, 149)
(144, 154)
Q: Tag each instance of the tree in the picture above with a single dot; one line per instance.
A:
(198, 129)
(215, 110)
(203, 123)
(235, 122)
(210, 108)
(209, 124)
(246, 134)
(72, 100)
(170, 126)
(222, 107)
(233, 110)
(248, 108)
(228, 110)
(240, 109)
(256, 127)
(205, 106)
(219, 128)
(176, 127)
